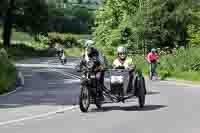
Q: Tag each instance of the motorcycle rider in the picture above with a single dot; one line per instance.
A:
(122, 61)
(59, 50)
(92, 53)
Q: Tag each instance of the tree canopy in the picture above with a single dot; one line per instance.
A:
(144, 23)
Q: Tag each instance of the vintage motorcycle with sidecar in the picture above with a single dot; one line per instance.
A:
(118, 90)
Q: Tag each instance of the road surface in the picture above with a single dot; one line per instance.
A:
(48, 104)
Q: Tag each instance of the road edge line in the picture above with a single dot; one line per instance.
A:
(38, 116)
(11, 92)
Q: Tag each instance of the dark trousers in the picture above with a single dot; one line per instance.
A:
(130, 81)
(100, 81)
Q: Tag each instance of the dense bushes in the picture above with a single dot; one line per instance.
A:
(68, 40)
(7, 72)
(34, 49)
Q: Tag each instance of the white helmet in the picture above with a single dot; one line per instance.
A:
(88, 43)
(121, 49)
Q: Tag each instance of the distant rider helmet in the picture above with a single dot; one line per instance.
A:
(88, 43)
(153, 50)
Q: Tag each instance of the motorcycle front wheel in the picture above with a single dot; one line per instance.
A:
(84, 99)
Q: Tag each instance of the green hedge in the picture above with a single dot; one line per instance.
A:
(7, 73)
(67, 40)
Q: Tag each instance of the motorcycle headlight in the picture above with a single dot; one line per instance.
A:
(90, 64)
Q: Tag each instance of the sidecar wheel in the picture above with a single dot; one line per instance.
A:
(84, 99)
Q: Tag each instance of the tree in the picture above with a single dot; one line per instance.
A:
(151, 23)
(3, 7)
(8, 24)
(118, 23)
(167, 23)
(32, 16)
(194, 30)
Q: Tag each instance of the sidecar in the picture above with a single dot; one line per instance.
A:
(120, 85)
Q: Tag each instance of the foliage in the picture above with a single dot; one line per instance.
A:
(114, 25)
(194, 30)
(7, 73)
(73, 19)
(175, 65)
(67, 40)
(74, 51)
(31, 16)
(168, 22)
(133, 23)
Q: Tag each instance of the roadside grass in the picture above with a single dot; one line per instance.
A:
(193, 76)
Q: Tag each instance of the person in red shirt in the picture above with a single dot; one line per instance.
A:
(152, 58)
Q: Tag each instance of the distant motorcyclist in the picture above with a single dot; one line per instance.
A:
(61, 54)
(124, 62)
(59, 50)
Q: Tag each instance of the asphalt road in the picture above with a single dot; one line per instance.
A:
(48, 103)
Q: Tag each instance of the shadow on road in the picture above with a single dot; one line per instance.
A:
(9, 106)
(152, 93)
(129, 108)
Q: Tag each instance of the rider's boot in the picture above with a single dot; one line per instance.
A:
(101, 97)
(130, 84)
(123, 100)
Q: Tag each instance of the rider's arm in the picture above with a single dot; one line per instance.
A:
(115, 62)
(129, 64)
(148, 57)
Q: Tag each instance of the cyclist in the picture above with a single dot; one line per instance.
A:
(152, 58)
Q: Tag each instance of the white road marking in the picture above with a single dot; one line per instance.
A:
(43, 66)
(44, 114)
(66, 73)
(188, 85)
(38, 116)
(70, 81)
(9, 93)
